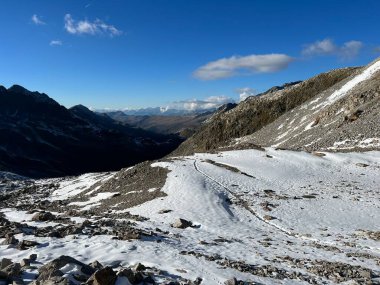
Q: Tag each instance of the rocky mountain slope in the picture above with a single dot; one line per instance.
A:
(334, 110)
(344, 117)
(258, 111)
(39, 137)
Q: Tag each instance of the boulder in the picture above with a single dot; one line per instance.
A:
(96, 265)
(10, 240)
(85, 224)
(13, 270)
(25, 262)
(232, 281)
(164, 211)
(129, 234)
(5, 262)
(43, 217)
(54, 280)
(48, 274)
(55, 234)
(182, 224)
(269, 192)
(139, 267)
(25, 244)
(53, 267)
(132, 276)
(320, 154)
(307, 196)
(269, 218)
(105, 276)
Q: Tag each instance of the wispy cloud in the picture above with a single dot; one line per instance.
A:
(233, 66)
(96, 27)
(323, 47)
(37, 21)
(55, 43)
(191, 105)
(376, 49)
(196, 104)
(246, 92)
(348, 50)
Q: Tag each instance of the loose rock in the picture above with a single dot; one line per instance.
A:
(43, 217)
(5, 262)
(105, 276)
(182, 224)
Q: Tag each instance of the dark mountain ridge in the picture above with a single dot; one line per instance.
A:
(41, 138)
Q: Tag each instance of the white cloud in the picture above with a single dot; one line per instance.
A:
(55, 43)
(36, 20)
(195, 104)
(246, 92)
(323, 47)
(348, 50)
(232, 66)
(91, 28)
(183, 106)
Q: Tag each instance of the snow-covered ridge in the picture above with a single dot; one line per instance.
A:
(340, 93)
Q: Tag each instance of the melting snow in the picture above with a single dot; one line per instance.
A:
(70, 188)
(357, 143)
(94, 201)
(22, 217)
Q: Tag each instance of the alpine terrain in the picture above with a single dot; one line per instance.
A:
(282, 188)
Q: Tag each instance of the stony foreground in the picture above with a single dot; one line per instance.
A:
(240, 217)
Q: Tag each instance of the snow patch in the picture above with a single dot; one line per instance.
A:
(356, 143)
(94, 201)
(72, 187)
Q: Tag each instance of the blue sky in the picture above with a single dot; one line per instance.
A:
(140, 53)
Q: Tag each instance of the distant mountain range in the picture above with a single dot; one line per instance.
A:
(158, 111)
(40, 138)
(182, 125)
